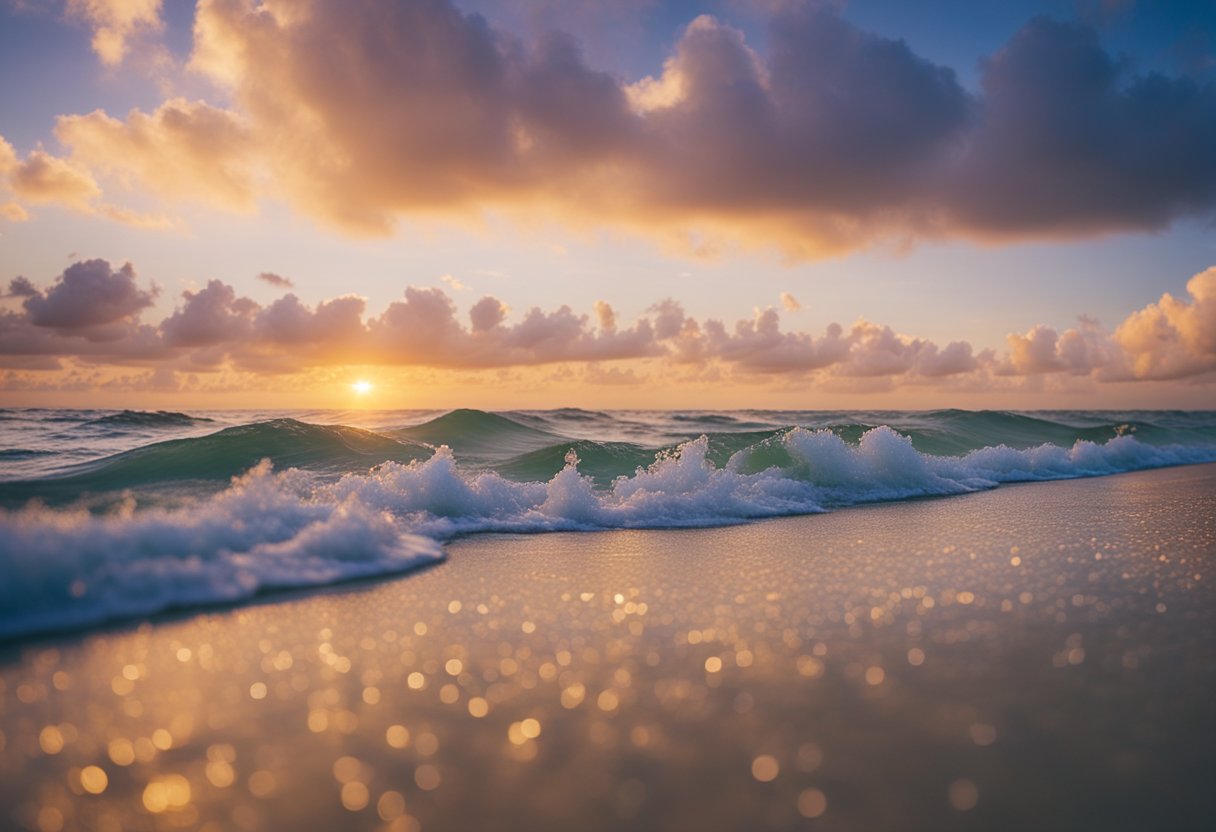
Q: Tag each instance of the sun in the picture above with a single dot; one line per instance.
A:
(362, 387)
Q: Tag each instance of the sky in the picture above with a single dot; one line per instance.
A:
(608, 203)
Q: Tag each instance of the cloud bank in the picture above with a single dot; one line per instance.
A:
(91, 315)
(359, 113)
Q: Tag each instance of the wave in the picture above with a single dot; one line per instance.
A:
(939, 432)
(41, 414)
(65, 570)
(324, 449)
(958, 431)
(604, 462)
(723, 421)
(146, 419)
(953, 432)
(24, 453)
(269, 530)
(479, 435)
(795, 472)
(564, 414)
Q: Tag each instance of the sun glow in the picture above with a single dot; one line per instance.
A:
(362, 387)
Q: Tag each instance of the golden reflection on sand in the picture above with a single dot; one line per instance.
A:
(896, 662)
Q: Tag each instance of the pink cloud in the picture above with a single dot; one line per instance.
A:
(92, 314)
(832, 138)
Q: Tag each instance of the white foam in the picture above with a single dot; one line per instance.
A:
(990, 466)
(882, 466)
(65, 569)
(682, 488)
(679, 489)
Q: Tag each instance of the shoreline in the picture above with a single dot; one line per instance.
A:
(801, 699)
(9, 644)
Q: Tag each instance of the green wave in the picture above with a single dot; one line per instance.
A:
(333, 449)
(602, 461)
(951, 432)
(605, 461)
(532, 446)
(477, 436)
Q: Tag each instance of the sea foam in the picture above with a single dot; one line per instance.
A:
(67, 569)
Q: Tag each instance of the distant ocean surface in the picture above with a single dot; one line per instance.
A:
(107, 515)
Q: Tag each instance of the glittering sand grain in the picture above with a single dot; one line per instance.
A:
(1035, 657)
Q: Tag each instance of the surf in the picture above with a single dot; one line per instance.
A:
(283, 503)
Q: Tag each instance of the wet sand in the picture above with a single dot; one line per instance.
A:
(1034, 657)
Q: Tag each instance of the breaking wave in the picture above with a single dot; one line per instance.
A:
(70, 569)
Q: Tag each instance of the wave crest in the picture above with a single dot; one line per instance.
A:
(67, 569)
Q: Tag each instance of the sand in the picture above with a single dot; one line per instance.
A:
(1034, 657)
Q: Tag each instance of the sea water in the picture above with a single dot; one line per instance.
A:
(107, 515)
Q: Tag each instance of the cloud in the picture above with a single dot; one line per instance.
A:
(25, 346)
(790, 302)
(8, 156)
(47, 179)
(451, 114)
(1035, 352)
(830, 139)
(184, 150)
(599, 375)
(865, 350)
(1173, 338)
(487, 313)
(836, 124)
(876, 351)
(759, 346)
(276, 280)
(115, 23)
(606, 316)
(91, 314)
(1077, 351)
(288, 335)
(211, 316)
(289, 321)
(1070, 142)
(88, 295)
(13, 212)
(424, 329)
(20, 287)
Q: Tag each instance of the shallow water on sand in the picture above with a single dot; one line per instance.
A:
(1035, 657)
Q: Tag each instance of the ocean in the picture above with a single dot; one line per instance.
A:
(109, 515)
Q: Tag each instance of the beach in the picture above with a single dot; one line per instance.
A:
(1035, 656)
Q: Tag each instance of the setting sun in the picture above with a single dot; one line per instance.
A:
(362, 387)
